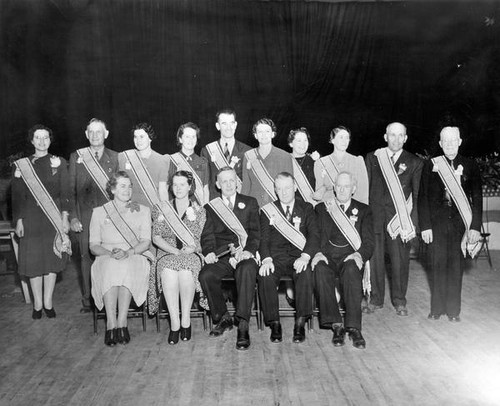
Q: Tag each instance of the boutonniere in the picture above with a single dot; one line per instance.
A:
(107, 220)
(355, 211)
(128, 167)
(55, 162)
(435, 168)
(241, 205)
(17, 173)
(296, 222)
(272, 221)
(249, 165)
(353, 218)
(161, 217)
(315, 155)
(79, 160)
(190, 214)
(459, 171)
(234, 161)
(402, 167)
(212, 158)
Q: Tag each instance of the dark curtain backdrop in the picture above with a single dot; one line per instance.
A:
(312, 64)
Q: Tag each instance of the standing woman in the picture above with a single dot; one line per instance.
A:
(262, 164)
(327, 168)
(187, 160)
(147, 169)
(40, 201)
(303, 165)
(177, 228)
(120, 240)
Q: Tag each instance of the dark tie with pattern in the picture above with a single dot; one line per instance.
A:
(342, 207)
(229, 204)
(226, 151)
(97, 155)
(288, 215)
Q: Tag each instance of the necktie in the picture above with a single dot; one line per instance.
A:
(226, 151)
(447, 196)
(229, 204)
(97, 155)
(393, 158)
(188, 158)
(342, 207)
(288, 215)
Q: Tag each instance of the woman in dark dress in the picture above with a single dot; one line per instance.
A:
(40, 202)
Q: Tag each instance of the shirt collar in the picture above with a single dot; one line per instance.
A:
(396, 155)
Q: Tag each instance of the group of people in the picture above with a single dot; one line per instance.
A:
(150, 225)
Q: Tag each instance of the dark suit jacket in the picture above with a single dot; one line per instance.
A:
(239, 150)
(217, 235)
(331, 233)
(432, 209)
(273, 242)
(380, 198)
(85, 195)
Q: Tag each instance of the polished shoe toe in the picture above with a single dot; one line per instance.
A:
(243, 339)
(454, 319)
(186, 333)
(276, 332)
(433, 316)
(357, 338)
(173, 337)
(37, 314)
(226, 324)
(299, 330)
(110, 337)
(338, 339)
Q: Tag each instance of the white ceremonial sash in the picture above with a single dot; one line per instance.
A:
(401, 223)
(124, 229)
(228, 217)
(183, 165)
(220, 161)
(454, 187)
(176, 224)
(329, 168)
(94, 169)
(286, 229)
(143, 177)
(44, 200)
(261, 173)
(303, 185)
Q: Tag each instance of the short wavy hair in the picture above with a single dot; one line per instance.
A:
(113, 181)
(148, 128)
(181, 129)
(266, 121)
(36, 127)
(190, 180)
(293, 133)
(338, 129)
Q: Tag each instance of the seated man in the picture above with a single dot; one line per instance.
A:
(346, 244)
(232, 220)
(289, 239)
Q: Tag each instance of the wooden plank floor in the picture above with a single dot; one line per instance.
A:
(408, 361)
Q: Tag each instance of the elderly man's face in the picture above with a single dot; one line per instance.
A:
(344, 188)
(449, 141)
(285, 189)
(96, 134)
(395, 136)
(226, 182)
(226, 124)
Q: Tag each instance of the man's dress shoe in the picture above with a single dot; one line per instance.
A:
(243, 340)
(370, 308)
(401, 310)
(454, 319)
(299, 331)
(338, 339)
(223, 325)
(276, 332)
(432, 316)
(110, 337)
(357, 338)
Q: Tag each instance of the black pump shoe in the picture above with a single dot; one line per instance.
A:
(186, 333)
(50, 313)
(37, 314)
(110, 337)
(173, 337)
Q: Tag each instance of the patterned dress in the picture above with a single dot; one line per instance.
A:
(195, 221)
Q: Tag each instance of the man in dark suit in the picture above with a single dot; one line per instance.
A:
(394, 181)
(290, 238)
(232, 220)
(86, 194)
(227, 151)
(347, 242)
(450, 213)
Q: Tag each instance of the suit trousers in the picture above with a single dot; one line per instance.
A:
(351, 290)
(86, 258)
(268, 288)
(399, 255)
(447, 264)
(245, 276)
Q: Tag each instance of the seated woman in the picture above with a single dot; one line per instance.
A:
(120, 239)
(177, 228)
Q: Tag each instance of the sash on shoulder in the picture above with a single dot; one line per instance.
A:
(261, 173)
(43, 198)
(183, 165)
(286, 229)
(124, 229)
(303, 185)
(143, 177)
(176, 224)
(220, 160)
(401, 220)
(452, 184)
(228, 217)
(329, 167)
(94, 169)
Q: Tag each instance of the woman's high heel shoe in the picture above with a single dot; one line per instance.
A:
(37, 314)
(173, 337)
(186, 333)
(50, 313)
(122, 335)
(110, 337)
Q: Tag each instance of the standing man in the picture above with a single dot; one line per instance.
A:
(394, 181)
(346, 244)
(450, 206)
(229, 242)
(89, 170)
(227, 151)
(290, 238)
